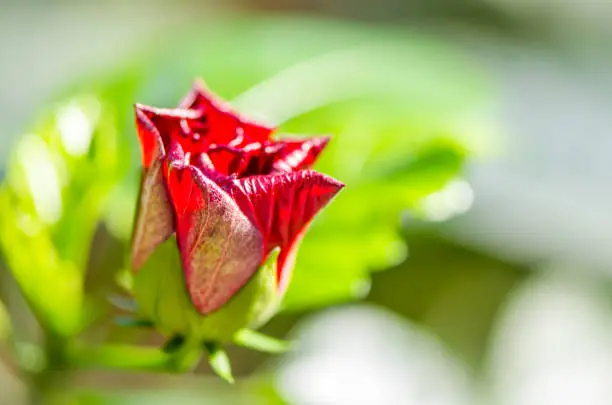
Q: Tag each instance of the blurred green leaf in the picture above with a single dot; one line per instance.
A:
(119, 357)
(58, 180)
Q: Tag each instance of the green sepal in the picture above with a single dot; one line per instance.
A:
(219, 362)
(262, 343)
(161, 296)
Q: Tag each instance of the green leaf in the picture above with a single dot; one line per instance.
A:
(58, 179)
(182, 358)
(51, 286)
(358, 234)
(119, 357)
(257, 341)
(219, 362)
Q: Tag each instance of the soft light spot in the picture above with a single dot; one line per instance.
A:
(365, 355)
(42, 178)
(454, 199)
(76, 126)
(553, 343)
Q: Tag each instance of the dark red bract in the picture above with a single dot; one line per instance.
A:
(230, 192)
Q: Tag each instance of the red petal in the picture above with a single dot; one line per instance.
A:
(154, 218)
(283, 205)
(226, 123)
(227, 160)
(298, 154)
(150, 140)
(166, 124)
(283, 156)
(220, 247)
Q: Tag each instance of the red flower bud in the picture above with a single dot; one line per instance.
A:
(229, 192)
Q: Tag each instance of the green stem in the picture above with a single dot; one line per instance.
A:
(131, 358)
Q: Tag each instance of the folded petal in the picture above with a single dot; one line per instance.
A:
(227, 160)
(151, 143)
(228, 125)
(298, 154)
(220, 247)
(170, 125)
(271, 157)
(154, 221)
(283, 206)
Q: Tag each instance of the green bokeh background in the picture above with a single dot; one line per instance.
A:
(407, 110)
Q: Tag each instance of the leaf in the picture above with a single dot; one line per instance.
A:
(219, 362)
(119, 357)
(53, 291)
(257, 341)
(58, 179)
(359, 233)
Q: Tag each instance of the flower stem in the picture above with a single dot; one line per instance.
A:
(130, 358)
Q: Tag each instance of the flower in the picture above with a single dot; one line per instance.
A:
(235, 198)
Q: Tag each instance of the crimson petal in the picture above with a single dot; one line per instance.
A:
(172, 125)
(298, 154)
(272, 157)
(229, 125)
(283, 206)
(220, 247)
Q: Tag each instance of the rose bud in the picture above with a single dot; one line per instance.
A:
(239, 204)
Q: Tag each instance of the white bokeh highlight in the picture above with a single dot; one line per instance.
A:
(454, 199)
(76, 126)
(365, 355)
(42, 178)
(553, 345)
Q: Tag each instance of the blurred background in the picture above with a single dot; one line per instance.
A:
(468, 260)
